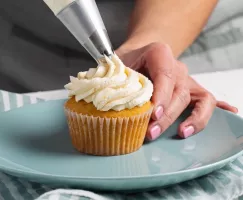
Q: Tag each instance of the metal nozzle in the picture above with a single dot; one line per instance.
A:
(83, 20)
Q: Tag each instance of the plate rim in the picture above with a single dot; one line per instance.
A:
(222, 162)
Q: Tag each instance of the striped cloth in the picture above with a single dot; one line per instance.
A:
(224, 184)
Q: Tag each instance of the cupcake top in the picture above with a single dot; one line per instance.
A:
(111, 86)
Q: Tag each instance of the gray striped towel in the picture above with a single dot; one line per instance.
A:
(224, 184)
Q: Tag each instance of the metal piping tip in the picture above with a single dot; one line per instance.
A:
(102, 60)
(83, 20)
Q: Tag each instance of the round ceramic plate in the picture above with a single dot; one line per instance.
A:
(35, 145)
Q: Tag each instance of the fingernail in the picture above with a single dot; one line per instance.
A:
(158, 112)
(236, 110)
(188, 131)
(154, 132)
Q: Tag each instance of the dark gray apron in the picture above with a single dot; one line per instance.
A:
(38, 53)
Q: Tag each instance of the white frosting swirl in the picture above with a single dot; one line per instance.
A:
(111, 86)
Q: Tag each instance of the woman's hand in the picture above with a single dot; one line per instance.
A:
(174, 90)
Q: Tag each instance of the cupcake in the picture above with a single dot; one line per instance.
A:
(109, 109)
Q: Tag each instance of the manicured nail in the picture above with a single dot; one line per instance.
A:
(188, 131)
(154, 132)
(158, 112)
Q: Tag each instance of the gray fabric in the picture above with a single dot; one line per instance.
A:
(38, 53)
(220, 45)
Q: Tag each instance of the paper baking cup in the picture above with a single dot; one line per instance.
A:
(107, 136)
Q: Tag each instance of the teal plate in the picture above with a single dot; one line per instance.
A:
(35, 144)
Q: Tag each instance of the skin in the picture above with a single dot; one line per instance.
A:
(173, 22)
(159, 32)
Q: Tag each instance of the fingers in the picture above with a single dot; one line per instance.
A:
(159, 62)
(226, 106)
(199, 117)
(180, 100)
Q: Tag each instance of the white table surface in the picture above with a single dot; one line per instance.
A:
(225, 85)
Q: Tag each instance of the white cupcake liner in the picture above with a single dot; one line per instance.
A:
(107, 136)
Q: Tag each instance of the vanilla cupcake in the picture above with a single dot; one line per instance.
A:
(109, 109)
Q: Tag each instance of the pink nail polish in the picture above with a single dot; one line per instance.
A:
(154, 132)
(159, 112)
(188, 131)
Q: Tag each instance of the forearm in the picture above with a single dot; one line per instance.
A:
(174, 22)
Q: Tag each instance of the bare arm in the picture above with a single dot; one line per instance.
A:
(173, 22)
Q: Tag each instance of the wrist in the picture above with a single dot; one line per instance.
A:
(138, 41)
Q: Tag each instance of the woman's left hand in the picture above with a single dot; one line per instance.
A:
(174, 90)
